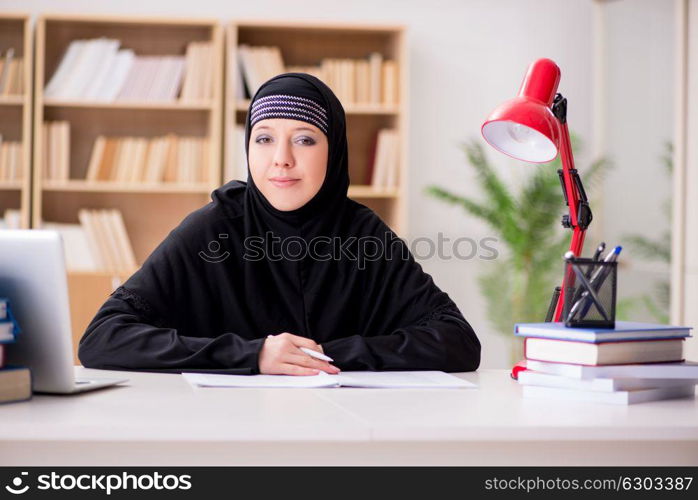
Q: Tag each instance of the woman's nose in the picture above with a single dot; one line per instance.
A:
(283, 157)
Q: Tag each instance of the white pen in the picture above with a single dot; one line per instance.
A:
(316, 354)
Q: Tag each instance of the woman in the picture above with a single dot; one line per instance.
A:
(281, 262)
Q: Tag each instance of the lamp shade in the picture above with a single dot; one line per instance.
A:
(525, 127)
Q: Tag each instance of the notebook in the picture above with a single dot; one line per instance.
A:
(366, 379)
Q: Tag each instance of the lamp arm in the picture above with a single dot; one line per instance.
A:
(580, 214)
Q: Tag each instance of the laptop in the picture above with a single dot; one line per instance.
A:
(33, 278)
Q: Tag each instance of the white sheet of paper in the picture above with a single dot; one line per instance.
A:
(405, 379)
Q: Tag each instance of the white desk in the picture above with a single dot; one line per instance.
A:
(159, 419)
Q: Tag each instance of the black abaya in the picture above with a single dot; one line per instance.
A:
(190, 309)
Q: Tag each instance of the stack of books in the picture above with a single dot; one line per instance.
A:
(632, 363)
(11, 74)
(98, 70)
(15, 381)
(10, 160)
(369, 81)
(99, 243)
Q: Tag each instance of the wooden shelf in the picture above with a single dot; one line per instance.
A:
(12, 100)
(306, 44)
(11, 185)
(149, 105)
(78, 185)
(362, 191)
(150, 210)
(16, 115)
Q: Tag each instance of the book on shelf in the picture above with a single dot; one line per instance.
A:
(169, 158)
(56, 150)
(11, 73)
(384, 164)
(258, 64)
(198, 80)
(15, 384)
(12, 219)
(11, 165)
(99, 242)
(370, 81)
(236, 167)
(99, 70)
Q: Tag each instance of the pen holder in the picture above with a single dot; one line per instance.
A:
(590, 293)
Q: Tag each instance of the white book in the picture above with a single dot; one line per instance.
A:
(104, 224)
(65, 68)
(78, 251)
(529, 377)
(174, 78)
(127, 257)
(122, 66)
(102, 70)
(617, 397)
(93, 239)
(683, 370)
(12, 218)
(79, 77)
(238, 80)
(367, 379)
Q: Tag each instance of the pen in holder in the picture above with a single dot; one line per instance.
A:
(590, 293)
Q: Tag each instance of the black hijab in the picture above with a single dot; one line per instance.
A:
(332, 195)
(211, 292)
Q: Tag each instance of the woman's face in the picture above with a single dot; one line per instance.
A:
(288, 161)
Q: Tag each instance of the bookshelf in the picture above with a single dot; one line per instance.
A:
(150, 209)
(15, 117)
(308, 44)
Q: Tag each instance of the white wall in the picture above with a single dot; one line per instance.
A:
(466, 57)
(639, 84)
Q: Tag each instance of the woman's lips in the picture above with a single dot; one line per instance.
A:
(284, 182)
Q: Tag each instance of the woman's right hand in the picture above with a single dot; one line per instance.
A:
(281, 355)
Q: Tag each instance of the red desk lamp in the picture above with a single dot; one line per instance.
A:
(532, 127)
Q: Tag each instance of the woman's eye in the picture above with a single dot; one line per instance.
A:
(263, 139)
(306, 141)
